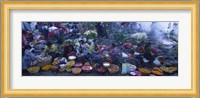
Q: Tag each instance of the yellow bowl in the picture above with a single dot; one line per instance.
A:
(144, 70)
(46, 67)
(34, 69)
(53, 67)
(157, 71)
(70, 63)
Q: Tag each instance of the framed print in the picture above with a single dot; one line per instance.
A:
(99, 49)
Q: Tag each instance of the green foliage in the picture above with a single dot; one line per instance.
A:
(90, 34)
(121, 37)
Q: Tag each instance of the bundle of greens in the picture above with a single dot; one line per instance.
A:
(90, 34)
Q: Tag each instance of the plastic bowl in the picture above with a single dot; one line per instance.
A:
(87, 68)
(101, 70)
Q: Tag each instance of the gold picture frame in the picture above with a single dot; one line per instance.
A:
(5, 40)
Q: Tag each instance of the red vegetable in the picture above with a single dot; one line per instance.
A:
(101, 69)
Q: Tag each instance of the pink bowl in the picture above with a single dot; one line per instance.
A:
(138, 73)
(79, 64)
(87, 68)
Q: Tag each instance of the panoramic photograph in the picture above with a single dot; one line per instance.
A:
(102, 48)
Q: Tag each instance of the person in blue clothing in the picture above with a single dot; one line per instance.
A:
(82, 51)
(28, 58)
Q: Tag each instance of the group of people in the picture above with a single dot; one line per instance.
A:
(57, 40)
